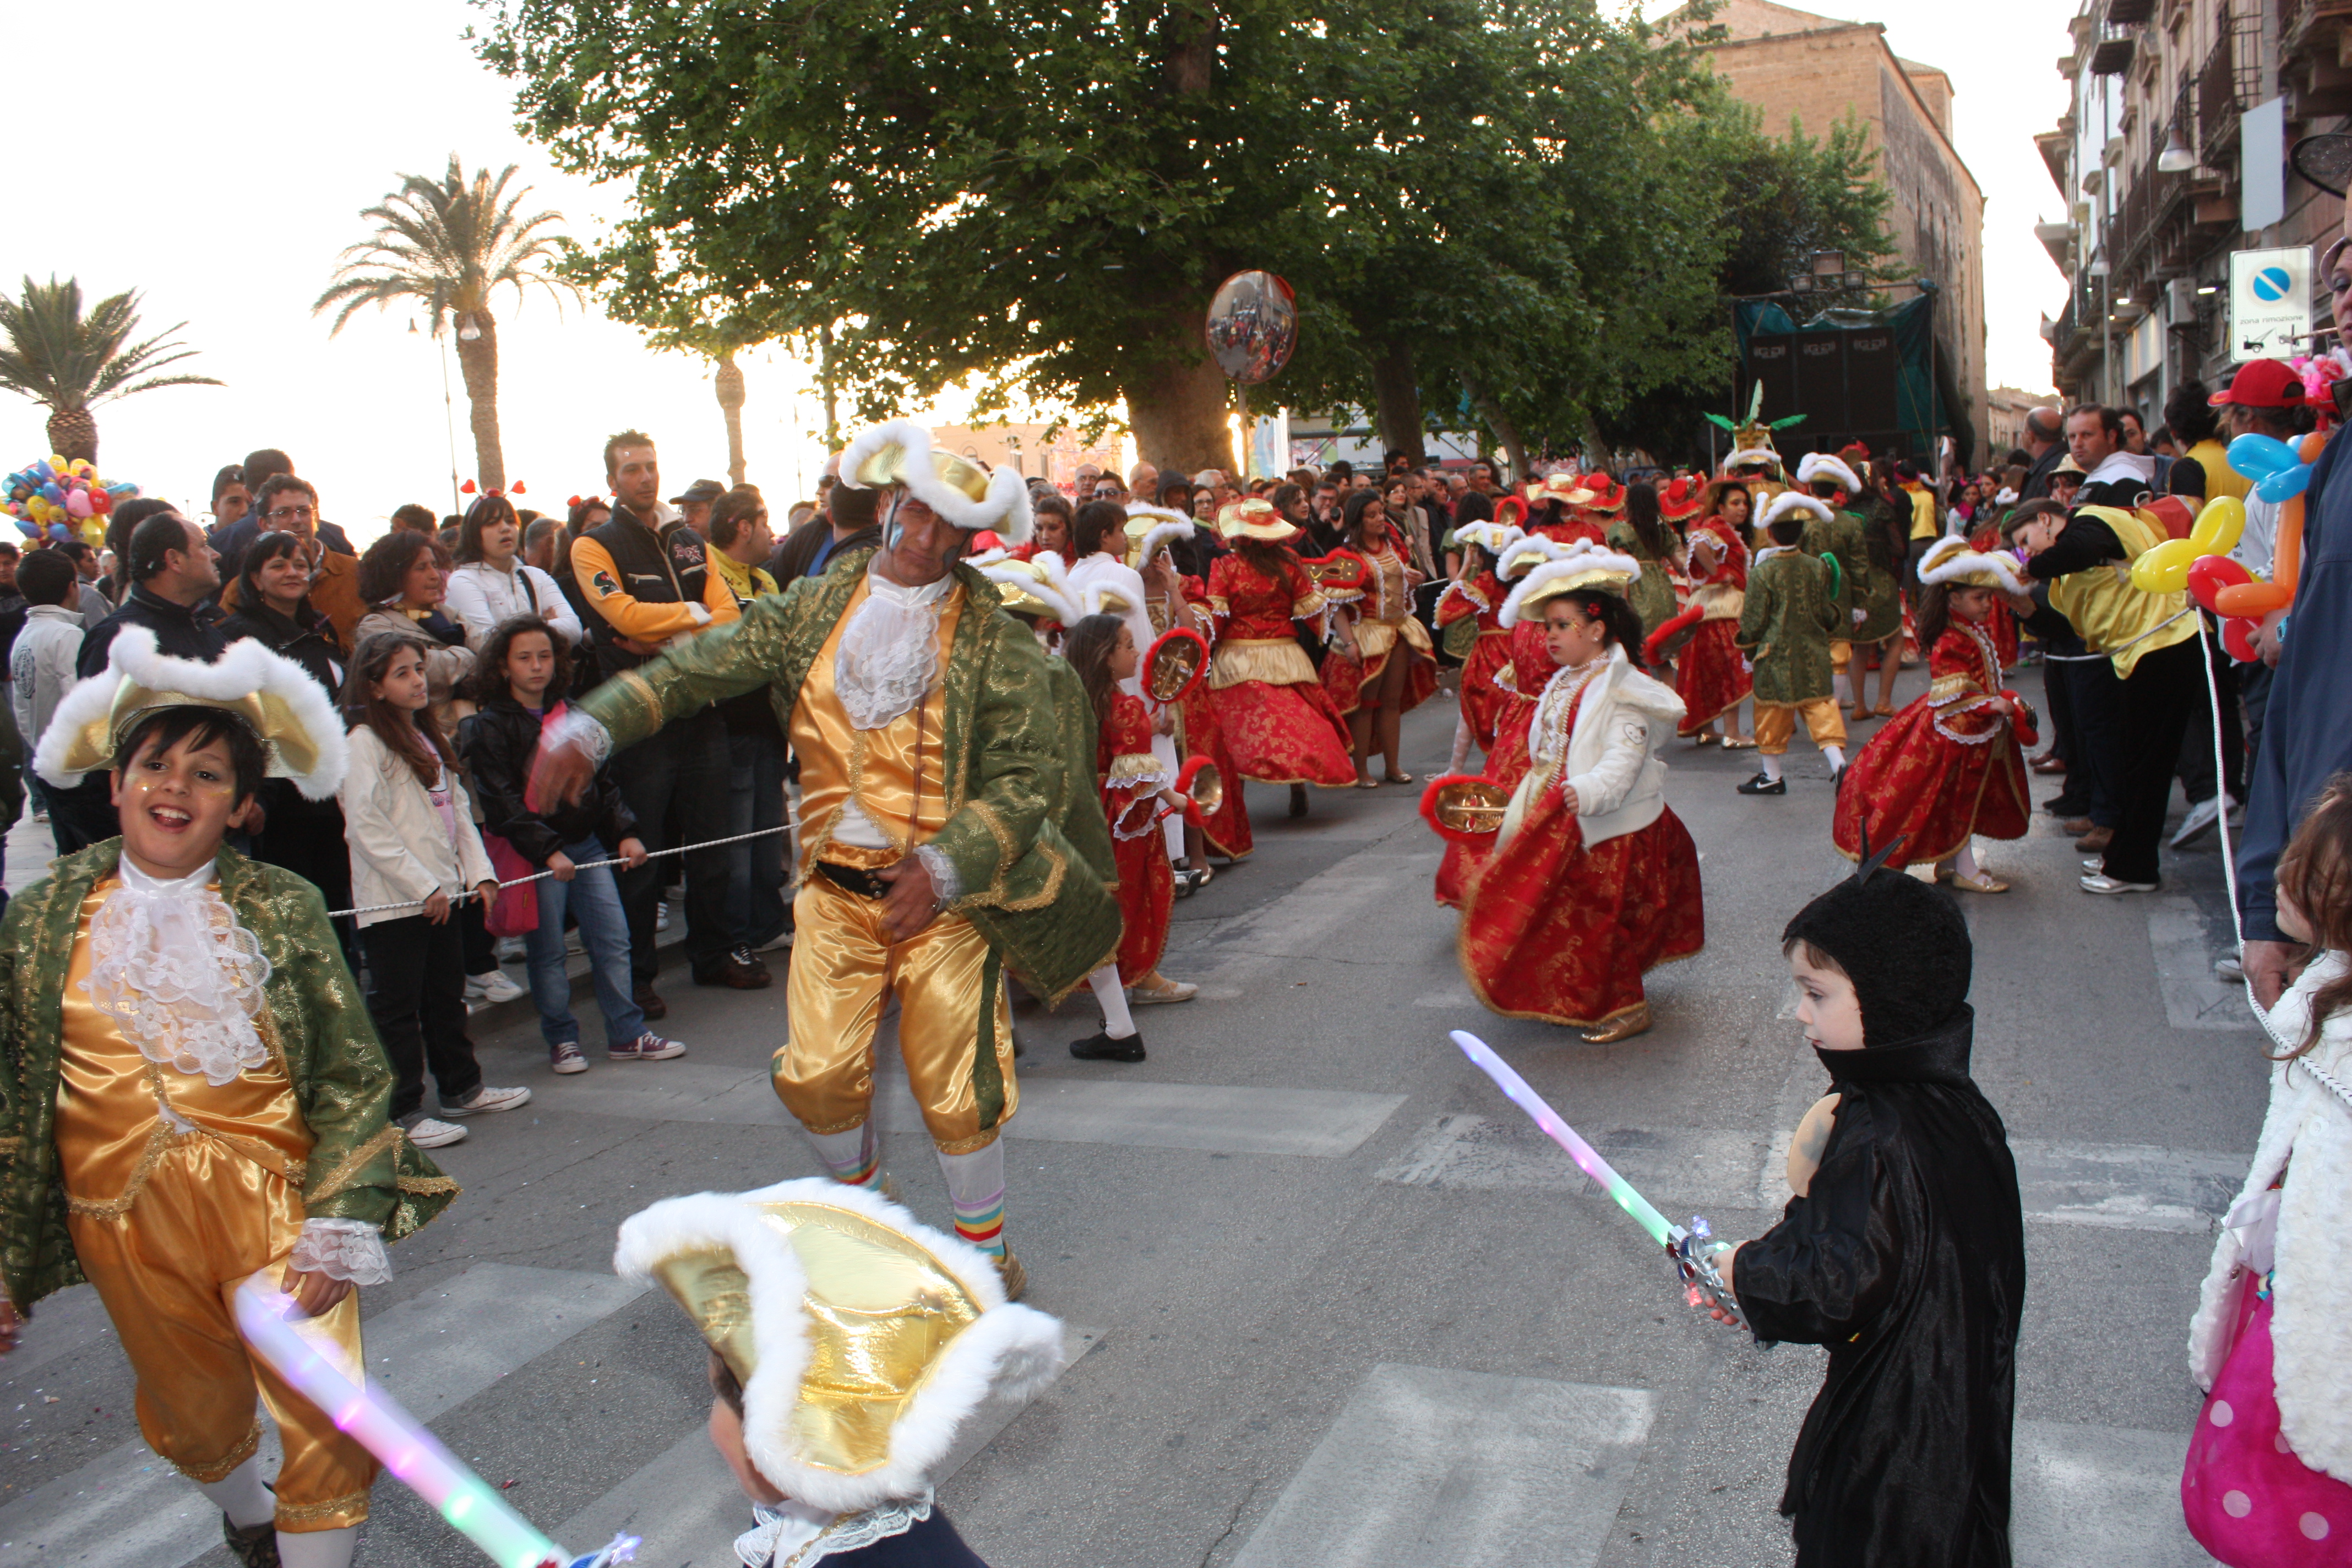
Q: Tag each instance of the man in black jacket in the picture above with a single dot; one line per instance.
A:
(847, 523)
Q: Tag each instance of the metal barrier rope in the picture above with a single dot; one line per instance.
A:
(461, 896)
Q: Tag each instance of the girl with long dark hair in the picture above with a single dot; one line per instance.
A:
(1272, 709)
(1643, 534)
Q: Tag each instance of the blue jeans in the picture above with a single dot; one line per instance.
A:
(756, 911)
(594, 902)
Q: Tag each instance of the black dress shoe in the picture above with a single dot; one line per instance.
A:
(649, 1002)
(1101, 1047)
(738, 971)
(253, 1545)
(1765, 784)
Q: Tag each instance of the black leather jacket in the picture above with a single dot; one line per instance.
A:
(498, 744)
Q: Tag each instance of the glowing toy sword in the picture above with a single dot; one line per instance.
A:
(375, 1420)
(1692, 1249)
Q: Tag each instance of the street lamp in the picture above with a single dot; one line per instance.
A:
(2175, 158)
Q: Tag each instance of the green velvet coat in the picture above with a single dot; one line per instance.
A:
(361, 1167)
(1025, 826)
(1786, 625)
(1862, 585)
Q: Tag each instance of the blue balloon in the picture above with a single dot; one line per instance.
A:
(2259, 456)
(54, 493)
(2284, 484)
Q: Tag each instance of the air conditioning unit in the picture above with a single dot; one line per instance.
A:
(2180, 299)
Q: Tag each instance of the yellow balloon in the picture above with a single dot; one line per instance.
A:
(2218, 525)
(57, 461)
(2165, 568)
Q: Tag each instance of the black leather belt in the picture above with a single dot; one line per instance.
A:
(850, 879)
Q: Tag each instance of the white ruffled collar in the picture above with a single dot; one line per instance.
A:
(890, 652)
(177, 973)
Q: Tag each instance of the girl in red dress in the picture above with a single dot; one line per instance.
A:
(1950, 765)
(1172, 600)
(1276, 718)
(1520, 679)
(1711, 674)
(1592, 879)
(1476, 595)
(1136, 785)
(1382, 664)
(1556, 507)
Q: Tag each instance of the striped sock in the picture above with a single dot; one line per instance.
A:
(976, 1186)
(853, 1158)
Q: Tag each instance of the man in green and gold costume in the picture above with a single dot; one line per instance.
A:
(944, 838)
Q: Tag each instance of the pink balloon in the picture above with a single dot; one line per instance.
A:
(77, 503)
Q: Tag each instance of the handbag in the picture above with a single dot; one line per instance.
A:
(516, 911)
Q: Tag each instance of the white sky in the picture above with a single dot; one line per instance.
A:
(225, 182)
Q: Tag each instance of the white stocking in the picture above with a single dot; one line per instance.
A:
(1771, 764)
(240, 1495)
(1836, 756)
(318, 1548)
(1462, 739)
(1965, 862)
(1117, 1022)
(1842, 689)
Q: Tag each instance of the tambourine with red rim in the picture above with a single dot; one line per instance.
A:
(2024, 724)
(1465, 808)
(1511, 511)
(1177, 663)
(1204, 789)
(1342, 569)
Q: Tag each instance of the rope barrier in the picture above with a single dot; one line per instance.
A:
(460, 897)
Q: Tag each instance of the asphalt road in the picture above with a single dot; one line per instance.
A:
(1332, 1301)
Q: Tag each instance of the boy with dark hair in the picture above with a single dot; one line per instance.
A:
(1786, 622)
(175, 1131)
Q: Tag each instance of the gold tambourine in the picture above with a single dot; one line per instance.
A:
(1465, 808)
(1204, 789)
(1177, 662)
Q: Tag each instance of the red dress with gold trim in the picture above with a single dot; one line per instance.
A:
(1131, 780)
(1227, 828)
(1482, 597)
(1384, 623)
(1946, 767)
(1554, 931)
(1570, 533)
(1711, 674)
(1278, 722)
(1527, 666)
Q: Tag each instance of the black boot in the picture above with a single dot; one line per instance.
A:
(1100, 1048)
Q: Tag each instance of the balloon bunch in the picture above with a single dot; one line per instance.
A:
(2201, 563)
(61, 499)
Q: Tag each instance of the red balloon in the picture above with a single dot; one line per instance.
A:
(2208, 574)
(2238, 639)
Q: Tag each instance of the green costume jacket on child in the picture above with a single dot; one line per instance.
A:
(1785, 626)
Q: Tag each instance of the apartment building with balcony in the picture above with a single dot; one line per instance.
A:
(2171, 156)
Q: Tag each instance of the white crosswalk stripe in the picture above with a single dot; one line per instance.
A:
(433, 1351)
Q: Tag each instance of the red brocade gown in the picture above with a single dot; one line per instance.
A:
(1227, 829)
(1276, 720)
(1527, 666)
(1132, 779)
(1385, 629)
(1482, 597)
(1946, 767)
(1552, 929)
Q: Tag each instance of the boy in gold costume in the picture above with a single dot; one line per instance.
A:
(190, 1094)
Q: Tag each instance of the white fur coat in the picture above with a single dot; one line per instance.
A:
(2307, 1132)
(1620, 781)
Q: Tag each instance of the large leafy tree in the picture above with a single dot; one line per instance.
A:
(69, 362)
(448, 245)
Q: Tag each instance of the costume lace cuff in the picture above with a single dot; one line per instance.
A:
(583, 732)
(349, 1249)
(947, 882)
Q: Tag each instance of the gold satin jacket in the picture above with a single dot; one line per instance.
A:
(361, 1167)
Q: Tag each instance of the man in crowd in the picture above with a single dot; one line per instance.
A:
(2136, 442)
(1143, 481)
(539, 543)
(415, 519)
(288, 504)
(845, 525)
(2045, 444)
(2111, 474)
(943, 844)
(693, 505)
(647, 584)
(87, 599)
(757, 918)
(230, 499)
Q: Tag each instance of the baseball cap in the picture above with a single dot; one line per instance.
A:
(2262, 384)
(701, 490)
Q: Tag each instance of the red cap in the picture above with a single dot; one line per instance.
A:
(2262, 384)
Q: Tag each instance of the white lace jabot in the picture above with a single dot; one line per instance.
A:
(182, 980)
(890, 652)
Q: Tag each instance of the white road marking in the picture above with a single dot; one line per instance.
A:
(2194, 997)
(1430, 1465)
(2098, 1494)
(434, 1350)
(2119, 1187)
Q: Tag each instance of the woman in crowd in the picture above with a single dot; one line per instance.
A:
(492, 585)
(404, 580)
(1556, 507)
(1386, 666)
(1050, 532)
(1271, 708)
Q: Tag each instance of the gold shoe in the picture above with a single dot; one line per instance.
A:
(1623, 1027)
(1740, 743)
(1980, 883)
(1016, 1277)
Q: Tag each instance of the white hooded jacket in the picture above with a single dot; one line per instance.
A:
(1620, 783)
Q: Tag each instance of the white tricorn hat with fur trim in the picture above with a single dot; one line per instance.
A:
(1950, 561)
(1150, 530)
(862, 1337)
(1583, 564)
(1514, 557)
(1494, 538)
(1745, 456)
(967, 495)
(1037, 586)
(1828, 466)
(1789, 502)
(272, 695)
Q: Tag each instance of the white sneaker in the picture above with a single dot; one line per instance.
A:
(2229, 968)
(2102, 883)
(2199, 821)
(492, 988)
(776, 943)
(510, 950)
(430, 1133)
(486, 1099)
(661, 915)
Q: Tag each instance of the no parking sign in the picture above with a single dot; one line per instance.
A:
(2270, 303)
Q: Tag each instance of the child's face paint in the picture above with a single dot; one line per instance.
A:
(1826, 1006)
(175, 807)
(1574, 638)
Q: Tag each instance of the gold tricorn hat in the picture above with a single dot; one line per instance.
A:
(1583, 564)
(862, 1337)
(1038, 587)
(958, 489)
(288, 711)
(1950, 562)
(1570, 489)
(1253, 517)
(1525, 552)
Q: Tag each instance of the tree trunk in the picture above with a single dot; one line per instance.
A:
(1178, 408)
(1597, 447)
(1515, 450)
(73, 434)
(728, 385)
(1396, 389)
(478, 361)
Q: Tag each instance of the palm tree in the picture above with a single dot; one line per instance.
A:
(448, 244)
(69, 362)
(728, 384)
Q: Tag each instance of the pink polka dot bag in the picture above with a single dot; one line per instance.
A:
(2248, 1500)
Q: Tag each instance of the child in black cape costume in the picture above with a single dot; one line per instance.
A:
(1905, 1251)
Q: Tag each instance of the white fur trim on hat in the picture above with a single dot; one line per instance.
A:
(1743, 455)
(1828, 466)
(246, 669)
(1491, 537)
(1005, 509)
(1950, 559)
(1053, 591)
(1577, 560)
(1789, 501)
(1012, 1348)
(1162, 536)
(1541, 547)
